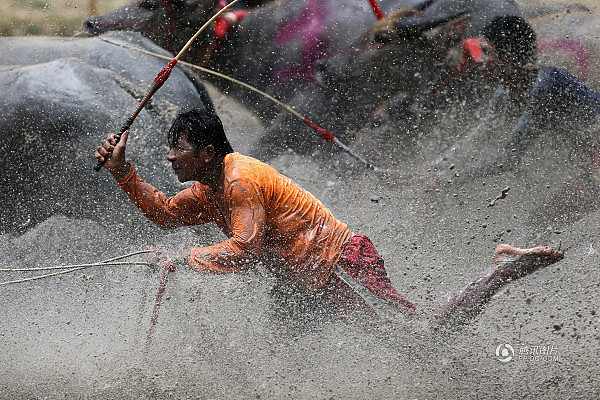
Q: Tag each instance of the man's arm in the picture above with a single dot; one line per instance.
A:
(188, 207)
(248, 225)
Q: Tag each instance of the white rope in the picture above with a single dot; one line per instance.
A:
(69, 266)
(72, 268)
(76, 265)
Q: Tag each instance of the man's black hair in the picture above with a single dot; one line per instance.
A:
(203, 127)
(512, 36)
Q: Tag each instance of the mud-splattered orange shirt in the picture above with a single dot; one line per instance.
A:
(260, 211)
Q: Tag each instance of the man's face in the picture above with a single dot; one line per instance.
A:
(498, 70)
(489, 61)
(188, 164)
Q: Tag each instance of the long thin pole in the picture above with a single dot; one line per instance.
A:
(324, 133)
(161, 78)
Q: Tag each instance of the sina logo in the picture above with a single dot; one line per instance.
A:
(505, 352)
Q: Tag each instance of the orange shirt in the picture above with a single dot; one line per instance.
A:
(260, 211)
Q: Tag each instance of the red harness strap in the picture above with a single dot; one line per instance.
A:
(471, 54)
(165, 268)
(227, 20)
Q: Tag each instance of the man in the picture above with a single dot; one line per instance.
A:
(545, 98)
(265, 214)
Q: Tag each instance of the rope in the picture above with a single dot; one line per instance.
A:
(160, 79)
(189, 43)
(71, 268)
(164, 275)
(64, 266)
(325, 134)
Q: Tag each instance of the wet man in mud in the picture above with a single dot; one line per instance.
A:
(545, 98)
(264, 214)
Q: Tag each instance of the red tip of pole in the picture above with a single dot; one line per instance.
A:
(164, 74)
(376, 9)
(325, 134)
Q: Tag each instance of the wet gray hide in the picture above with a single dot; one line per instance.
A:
(60, 98)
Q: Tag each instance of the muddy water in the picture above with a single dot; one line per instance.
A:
(82, 335)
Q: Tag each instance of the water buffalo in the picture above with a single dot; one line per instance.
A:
(464, 134)
(275, 47)
(391, 60)
(383, 64)
(60, 97)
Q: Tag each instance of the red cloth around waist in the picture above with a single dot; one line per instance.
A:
(363, 263)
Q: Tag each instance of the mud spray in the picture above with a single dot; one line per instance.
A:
(81, 335)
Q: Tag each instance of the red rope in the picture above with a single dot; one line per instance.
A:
(165, 267)
(471, 53)
(171, 26)
(324, 133)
